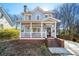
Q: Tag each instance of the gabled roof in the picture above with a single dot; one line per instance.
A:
(51, 19)
(37, 9)
(41, 10)
(6, 15)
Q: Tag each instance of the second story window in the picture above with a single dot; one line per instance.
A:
(37, 17)
(30, 17)
(50, 15)
(46, 16)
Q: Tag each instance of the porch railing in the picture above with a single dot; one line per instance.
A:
(33, 35)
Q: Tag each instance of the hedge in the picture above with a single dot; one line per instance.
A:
(9, 34)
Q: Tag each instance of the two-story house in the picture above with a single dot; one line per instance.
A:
(37, 24)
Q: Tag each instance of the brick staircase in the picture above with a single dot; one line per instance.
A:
(52, 42)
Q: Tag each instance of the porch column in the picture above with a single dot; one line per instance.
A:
(31, 30)
(55, 29)
(41, 30)
(51, 30)
(20, 29)
(24, 29)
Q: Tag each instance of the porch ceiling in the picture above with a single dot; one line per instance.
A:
(46, 20)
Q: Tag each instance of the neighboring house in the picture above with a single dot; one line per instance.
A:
(37, 24)
(5, 20)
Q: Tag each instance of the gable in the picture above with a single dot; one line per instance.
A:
(37, 13)
(5, 14)
(38, 9)
(50, 19)
(5, 23)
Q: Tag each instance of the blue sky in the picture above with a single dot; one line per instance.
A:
(17, 8)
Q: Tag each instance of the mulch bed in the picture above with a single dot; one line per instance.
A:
(21, 48)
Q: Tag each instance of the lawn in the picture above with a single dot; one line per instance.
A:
(21, 48)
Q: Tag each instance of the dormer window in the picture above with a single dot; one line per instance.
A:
(49, 15)
(30, 17)
(46, 16)
(37, 17)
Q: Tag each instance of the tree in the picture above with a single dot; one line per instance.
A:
(67, 13)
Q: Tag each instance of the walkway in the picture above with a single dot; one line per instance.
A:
(60, 51)
(73, 47)
(56, 49)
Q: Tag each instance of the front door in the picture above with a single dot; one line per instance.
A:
(48, 32)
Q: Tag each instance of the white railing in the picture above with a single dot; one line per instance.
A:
(53, 34)
(33, 35)
(25, 34)
(36, 34)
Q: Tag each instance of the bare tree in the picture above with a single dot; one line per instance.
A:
(67, 13)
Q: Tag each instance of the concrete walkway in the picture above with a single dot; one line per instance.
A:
(73, 47)
(60, 51)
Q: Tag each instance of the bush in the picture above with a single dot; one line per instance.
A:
(44, 50)
(9, 34)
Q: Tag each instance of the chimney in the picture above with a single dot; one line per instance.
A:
(25, 8)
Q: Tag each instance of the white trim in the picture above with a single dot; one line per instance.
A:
(24, 29)
(45, 34)
(41, 29)
(31, 29)
(5, 13)
(51, 18)
(51, 30)
(55, 29)
(20, 29)
(32, 38)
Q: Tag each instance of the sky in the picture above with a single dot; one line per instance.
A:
(17, 8)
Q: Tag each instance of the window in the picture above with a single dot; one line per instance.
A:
(46, 16)
(36, 29)
(37, 17)
(50, 15)
(30, 17)
(1, 26)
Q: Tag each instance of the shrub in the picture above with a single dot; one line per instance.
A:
(9, 34)
(44, 50)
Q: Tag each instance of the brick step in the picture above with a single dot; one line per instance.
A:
(52, 42)
(55, 44)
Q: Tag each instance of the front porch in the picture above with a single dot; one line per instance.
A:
(37, 32)
(37, 29)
